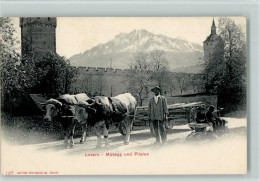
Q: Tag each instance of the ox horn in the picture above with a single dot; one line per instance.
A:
(84, 104)
(55, 102)
(98, 103)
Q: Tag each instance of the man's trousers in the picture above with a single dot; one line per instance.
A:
(160, 131)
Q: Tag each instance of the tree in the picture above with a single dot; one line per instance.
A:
(234, 52)
(139, 76)
(226, 73)
(22, 76)
(146, 69)
(17, 77)
(160, 71)
(234, 84)
(55, 75)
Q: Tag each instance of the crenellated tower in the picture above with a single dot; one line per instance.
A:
(38, 36)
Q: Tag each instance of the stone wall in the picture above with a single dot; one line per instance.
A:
(111, 82)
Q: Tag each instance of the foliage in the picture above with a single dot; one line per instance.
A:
(225, 73)
(21, 76)
(234, 54)
(16, 77)
(54, 74)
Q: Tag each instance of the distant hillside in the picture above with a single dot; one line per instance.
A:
(179, 52)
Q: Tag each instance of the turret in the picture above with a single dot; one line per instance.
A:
(38, 36)
(212, 44)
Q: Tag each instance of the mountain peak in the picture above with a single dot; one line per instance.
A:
(140, 31)
(136, 40)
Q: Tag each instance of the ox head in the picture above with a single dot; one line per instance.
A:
(83, 110)
(52, 108)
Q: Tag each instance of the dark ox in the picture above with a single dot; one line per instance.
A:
(102, 111)
(62, 110)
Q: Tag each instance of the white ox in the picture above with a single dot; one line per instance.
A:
(102, 111)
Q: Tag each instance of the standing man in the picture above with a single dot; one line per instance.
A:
(158, 111)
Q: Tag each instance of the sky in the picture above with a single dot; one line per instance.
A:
(77, 34)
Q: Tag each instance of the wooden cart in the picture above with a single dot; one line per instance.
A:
(180, 113)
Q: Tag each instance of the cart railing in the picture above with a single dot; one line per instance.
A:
(176, 111)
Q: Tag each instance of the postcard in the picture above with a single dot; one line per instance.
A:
(123, 95)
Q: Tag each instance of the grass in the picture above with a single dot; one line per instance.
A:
(32, 130)
(28, 129)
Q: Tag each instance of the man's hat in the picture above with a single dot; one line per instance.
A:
(156, 87)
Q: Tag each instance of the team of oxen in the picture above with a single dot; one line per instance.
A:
(99, 112)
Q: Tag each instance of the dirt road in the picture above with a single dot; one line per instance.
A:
(56, 156)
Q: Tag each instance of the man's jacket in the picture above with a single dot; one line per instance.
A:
(157, 111)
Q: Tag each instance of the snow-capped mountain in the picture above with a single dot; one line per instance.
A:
(179, 52)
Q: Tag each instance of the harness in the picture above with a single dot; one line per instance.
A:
(115, 113)
(112, 107)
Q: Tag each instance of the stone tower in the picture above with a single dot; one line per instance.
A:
(38, 36)
(213, 45)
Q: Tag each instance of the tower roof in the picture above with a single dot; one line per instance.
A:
(213, 36)
(213, 23)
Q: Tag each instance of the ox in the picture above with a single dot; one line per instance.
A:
(62, 110)
(102, 111)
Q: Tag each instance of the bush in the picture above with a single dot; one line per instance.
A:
(23, 76)
(54, 74)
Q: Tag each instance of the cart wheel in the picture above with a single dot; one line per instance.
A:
(169, 124)
(151, 128)
(122, 128)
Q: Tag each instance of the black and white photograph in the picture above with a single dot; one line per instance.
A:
(123, 95)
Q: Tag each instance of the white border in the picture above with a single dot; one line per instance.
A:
(164, 8)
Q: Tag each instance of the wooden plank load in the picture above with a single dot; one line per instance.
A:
(178, 111)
